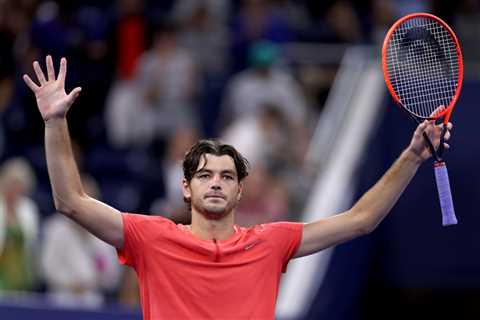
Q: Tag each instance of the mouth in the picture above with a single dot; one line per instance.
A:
(215, 196)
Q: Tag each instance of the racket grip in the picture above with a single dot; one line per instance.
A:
(444, 194)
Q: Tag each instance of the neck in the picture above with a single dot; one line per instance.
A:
(212, 229)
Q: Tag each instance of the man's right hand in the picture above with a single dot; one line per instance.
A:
(52, 100)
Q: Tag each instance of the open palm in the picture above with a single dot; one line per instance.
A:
(52, 100)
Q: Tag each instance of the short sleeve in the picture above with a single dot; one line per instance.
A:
(286, 238)
(137, 231)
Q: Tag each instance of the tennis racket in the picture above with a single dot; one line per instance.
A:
(423, 69)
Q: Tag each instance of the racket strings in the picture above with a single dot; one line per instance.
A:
(414, 68)
(423, 66)
(433, 78)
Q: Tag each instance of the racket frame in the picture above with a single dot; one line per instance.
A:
(446, 113)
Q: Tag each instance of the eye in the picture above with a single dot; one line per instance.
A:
(228, 177)
(203, 176)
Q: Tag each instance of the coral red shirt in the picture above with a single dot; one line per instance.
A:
(182, 277)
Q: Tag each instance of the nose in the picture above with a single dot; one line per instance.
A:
(215, 183)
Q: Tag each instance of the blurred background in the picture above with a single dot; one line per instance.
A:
(296, 86)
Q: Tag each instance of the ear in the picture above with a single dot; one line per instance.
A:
(240, 191)
(187, 194)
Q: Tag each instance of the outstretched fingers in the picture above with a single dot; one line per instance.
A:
(72, 96)
(50, 73)
(63, 70)
(29, 82)
(39, 73)
(50, 68)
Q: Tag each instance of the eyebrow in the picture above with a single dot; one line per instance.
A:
(232, 172)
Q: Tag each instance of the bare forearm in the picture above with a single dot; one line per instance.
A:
(63, 172)
(53, 103)
(366, 214)
(374, 205)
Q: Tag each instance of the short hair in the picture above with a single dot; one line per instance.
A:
(216, 148)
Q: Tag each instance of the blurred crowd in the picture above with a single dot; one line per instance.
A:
(156, 76)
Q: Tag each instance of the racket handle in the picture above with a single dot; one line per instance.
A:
(444, 194)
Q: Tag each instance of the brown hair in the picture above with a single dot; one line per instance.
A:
(216, 148)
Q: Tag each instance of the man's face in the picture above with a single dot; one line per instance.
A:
(214, 189)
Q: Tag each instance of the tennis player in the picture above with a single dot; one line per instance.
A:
(212, 268)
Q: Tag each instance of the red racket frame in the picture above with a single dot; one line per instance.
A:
(448, 110)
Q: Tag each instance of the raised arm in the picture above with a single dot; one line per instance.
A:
(374, 205)
(70, 199)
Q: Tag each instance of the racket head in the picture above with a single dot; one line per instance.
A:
(423, 65)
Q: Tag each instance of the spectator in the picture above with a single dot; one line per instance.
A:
(263, 83)
(18, 226)
(263, 138)
(78, 267)
(261, 98)
(161, 100)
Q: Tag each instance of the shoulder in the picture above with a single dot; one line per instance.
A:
(282, 239)
(146, 221)
(140, 229)
(274, 228)
(243, 78)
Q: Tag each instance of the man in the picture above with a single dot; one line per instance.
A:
(211, 268)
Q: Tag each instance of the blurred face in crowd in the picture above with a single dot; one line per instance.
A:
(14, 189)
(214, 189)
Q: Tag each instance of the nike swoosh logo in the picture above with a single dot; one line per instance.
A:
(251, 245)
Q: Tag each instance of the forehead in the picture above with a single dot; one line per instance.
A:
(216, 163)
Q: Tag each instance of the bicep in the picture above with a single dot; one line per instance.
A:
(100, 219)
(328, 232)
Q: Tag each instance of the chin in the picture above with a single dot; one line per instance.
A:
(213, 209)
(214, 212)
